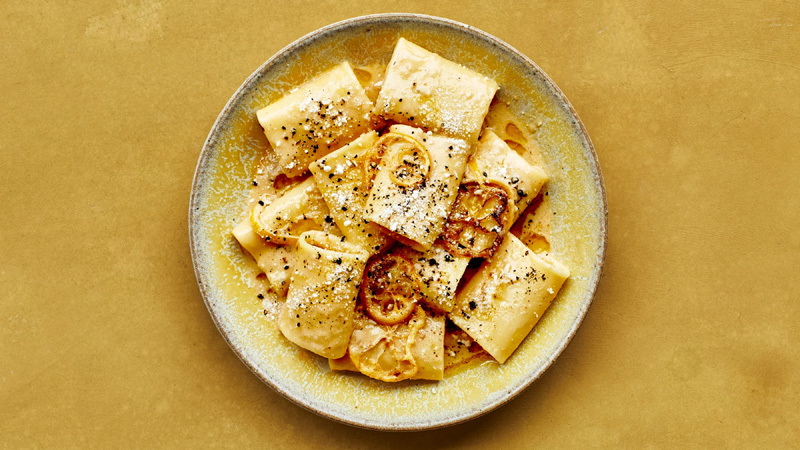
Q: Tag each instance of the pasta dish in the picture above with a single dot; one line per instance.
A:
(400, 219)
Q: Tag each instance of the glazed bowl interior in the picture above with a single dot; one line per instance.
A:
(228, 161)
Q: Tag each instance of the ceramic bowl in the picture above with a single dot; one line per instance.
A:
(227, 163)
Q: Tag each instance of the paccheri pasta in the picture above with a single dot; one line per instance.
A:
(418, 241)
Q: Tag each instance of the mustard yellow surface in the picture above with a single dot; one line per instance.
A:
(692, 340)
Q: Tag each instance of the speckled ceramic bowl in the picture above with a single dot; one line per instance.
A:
(220, 189)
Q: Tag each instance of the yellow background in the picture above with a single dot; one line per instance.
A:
(693, 339)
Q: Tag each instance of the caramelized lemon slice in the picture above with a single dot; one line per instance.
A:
(478, 220)
(408, 161)
(470, 240)
(385, 352)
(390, 289)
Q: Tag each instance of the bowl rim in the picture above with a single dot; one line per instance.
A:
(299, 400)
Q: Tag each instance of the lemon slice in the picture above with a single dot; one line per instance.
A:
(478, 220)
(390, 289)
(384, 352)
(408, 161)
